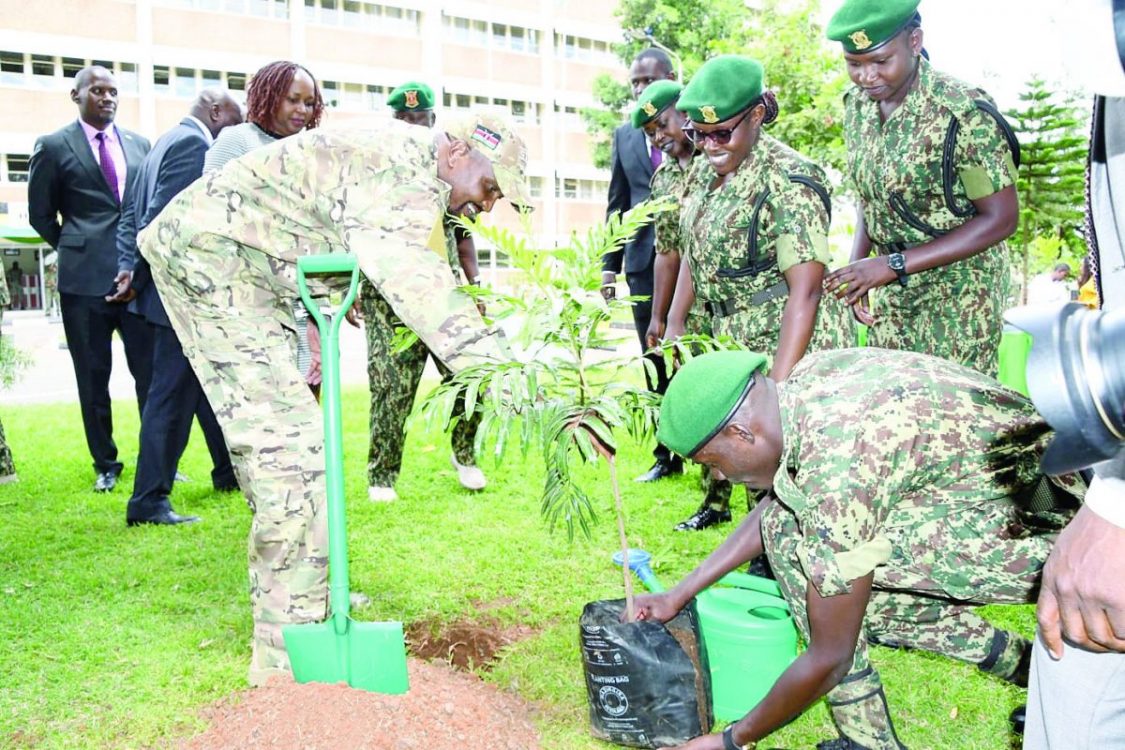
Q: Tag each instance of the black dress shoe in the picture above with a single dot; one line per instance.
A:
(1017, 719)
(840, 743)
(662, 469)
(704, 518)
(163, 518)
(105, 482)
(226, 487)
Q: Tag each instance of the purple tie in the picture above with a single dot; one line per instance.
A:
(656, 155)
(108, 167)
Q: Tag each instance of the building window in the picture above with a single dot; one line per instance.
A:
(127, 78)
(571, 188)
(71, 66)
(43, 68)
(593, 51)
(16, 167)
(161, 77)
(260, 8)
(46, 70)
(357, 14)
(535, 186)
(184, 83)
(236, 81)
(11, 67)
(496, 35)
(569, 118)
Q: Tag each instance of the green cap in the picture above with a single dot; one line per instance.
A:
(866, 25)
(655, 99)
(411, 97)
(703, 397)
(722, 88)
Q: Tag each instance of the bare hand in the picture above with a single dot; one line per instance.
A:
(703, 742)
(609, 290)
(125, 292)
(855, 280)
(1082, 599)
(654, 334)
(313, 376)
(861, 311)
(655, 608)
(355, 313)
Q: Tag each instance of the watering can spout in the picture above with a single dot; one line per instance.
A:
(640, 563)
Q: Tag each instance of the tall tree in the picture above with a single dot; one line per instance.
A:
(1053, 145)
(807, 75)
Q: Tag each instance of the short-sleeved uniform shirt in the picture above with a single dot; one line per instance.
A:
(371, 191)
(954, 311)
(792, 228)
(914, 467)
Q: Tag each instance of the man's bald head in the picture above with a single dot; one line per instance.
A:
(95, 93)
(217, 109)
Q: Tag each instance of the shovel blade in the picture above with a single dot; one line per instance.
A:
(367, 655)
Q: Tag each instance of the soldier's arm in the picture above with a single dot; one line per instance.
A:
(467, 255)
(418, 283)
(43, 194)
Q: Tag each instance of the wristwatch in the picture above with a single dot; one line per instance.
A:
(730, 744)
(897, 263)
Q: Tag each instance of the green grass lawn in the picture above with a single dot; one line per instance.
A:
(114, 638)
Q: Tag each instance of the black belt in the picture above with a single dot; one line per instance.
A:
(727, 307)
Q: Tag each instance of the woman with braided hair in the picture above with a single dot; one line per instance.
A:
(755, 233)
(282, 99)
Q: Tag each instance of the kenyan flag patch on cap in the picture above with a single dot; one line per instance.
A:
(489, 138)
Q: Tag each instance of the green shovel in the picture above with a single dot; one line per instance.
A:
(366, 655)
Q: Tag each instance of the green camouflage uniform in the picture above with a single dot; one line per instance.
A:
(953, 312)
(7, 465)
(930, 488)
(674, 182)
(394, 378)
(792, 229)
(223, 253)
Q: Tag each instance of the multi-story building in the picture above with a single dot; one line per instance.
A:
(537, 59)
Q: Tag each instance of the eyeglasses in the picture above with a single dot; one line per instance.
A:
(721, 137)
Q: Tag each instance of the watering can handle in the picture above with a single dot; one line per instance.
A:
(739, 580)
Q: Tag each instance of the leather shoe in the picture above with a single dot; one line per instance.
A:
(661, 469)
(105, 482)
(226, 486)
(704, 518)
(1017, 719)
(163, 518)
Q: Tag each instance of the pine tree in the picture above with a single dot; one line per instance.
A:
(1053, 146)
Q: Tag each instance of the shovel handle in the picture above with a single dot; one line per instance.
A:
(334, 263)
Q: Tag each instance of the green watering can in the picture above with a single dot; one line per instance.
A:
(366, 655)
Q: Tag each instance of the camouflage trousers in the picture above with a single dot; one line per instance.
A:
(960, 323)
(394, 378)
(237, 330)
(898, 616)
(7, 465)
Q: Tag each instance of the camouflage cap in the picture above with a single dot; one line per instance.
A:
(866, 25)
(723, 87)
(703, 397)
(411, 97)
(494, 136)
(653, 100)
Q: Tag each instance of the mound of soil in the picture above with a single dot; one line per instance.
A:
(443, 708)
(463, 644)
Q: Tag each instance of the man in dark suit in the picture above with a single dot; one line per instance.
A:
(175, 395)
(77, 178)
(634, 160)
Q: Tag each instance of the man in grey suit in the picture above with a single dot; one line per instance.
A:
(175, 396)
(634, 161)
(77, 178)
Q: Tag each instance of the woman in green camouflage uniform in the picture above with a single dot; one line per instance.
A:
(756, 232)
(677, 177)
(934, 165)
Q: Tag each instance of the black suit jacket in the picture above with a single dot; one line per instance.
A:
(175, 162)
(628, 186)
(73, 209)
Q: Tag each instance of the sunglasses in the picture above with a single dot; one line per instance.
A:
(721, 137)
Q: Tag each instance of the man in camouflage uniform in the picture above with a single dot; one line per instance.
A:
(933, 163)
(394, 376)
(223, 254)
(888, 525)
(7, 465)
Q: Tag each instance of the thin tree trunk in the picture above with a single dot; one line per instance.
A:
(630, 609)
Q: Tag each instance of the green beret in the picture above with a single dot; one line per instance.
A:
(411, 97)
(865, 25)
(703, 396)
(722, 88)
(654, 100)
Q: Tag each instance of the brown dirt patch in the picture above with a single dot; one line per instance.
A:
(443, 708)
(463, 644)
